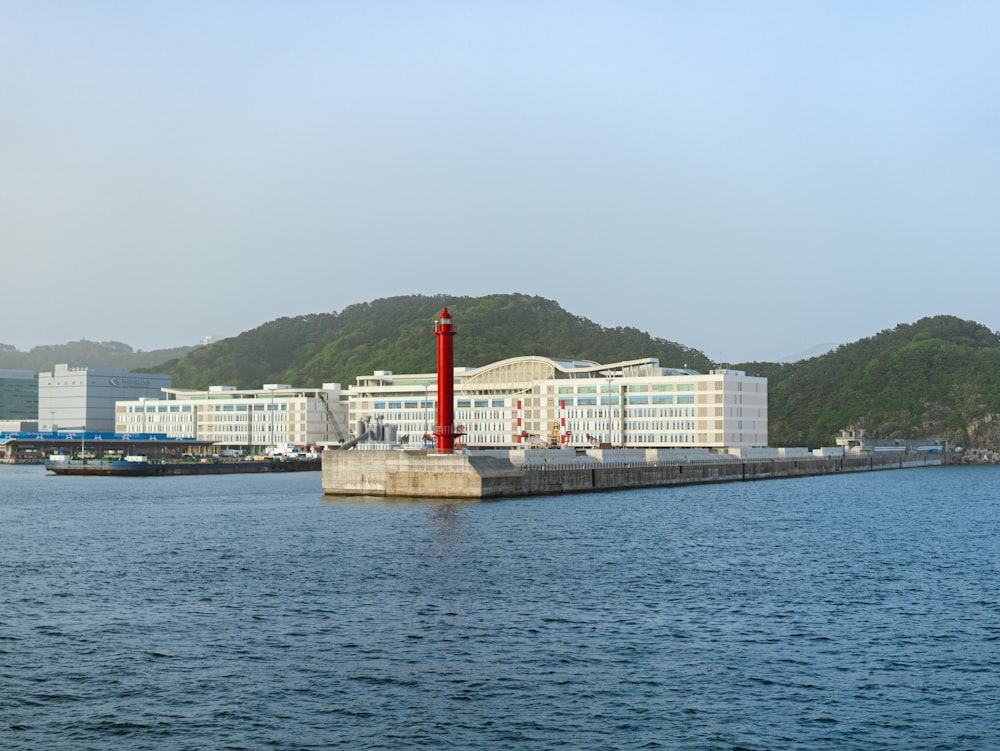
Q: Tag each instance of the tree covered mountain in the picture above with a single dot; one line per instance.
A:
(396, 333)
(938, 378)
(93, 354)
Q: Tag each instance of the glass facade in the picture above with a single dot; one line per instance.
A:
(18, 395)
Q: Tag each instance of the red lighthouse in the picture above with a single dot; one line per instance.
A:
(445, 430)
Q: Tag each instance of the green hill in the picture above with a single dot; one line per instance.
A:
(83, 352)
(396, 333)
(937, 378)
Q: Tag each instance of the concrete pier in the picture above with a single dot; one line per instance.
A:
(509, 474)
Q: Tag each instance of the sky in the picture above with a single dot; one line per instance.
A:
(750, 179)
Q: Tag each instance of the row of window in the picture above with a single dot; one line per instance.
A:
(231, 407)
(155, 420)
(633, 400)
(633, 425)
(599, 414)
(605, 388)
(432, 404)
(155, 408)
(568, 401)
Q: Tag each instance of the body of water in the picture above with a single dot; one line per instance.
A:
(249, 612)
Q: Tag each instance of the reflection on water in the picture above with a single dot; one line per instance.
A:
(447, 524)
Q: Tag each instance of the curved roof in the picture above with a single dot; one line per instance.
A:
(533, 368)
(515, 370)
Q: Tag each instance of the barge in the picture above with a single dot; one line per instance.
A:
(140, 466)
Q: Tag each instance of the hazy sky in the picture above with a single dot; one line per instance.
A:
(750, 179)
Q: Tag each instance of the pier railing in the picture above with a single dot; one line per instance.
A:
(750, 467)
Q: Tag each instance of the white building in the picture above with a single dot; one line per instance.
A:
(74, 397)
(250, 419)
(527, 401)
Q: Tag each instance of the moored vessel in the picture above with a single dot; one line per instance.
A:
(138, 465)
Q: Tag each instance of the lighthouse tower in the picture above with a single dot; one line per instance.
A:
(445, 431)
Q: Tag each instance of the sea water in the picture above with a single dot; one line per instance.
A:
(250, 612)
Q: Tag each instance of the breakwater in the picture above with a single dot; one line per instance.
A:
(417, 474)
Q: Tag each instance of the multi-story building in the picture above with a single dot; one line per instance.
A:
(83, 398)
(541, 401)
(249, 420)
(18, 395)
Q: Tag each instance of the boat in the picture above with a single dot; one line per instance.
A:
(138, 465)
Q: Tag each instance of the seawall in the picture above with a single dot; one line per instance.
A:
(419, 474)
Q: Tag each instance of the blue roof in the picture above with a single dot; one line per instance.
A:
(77, 436)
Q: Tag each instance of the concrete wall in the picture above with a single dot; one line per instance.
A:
(416, 474)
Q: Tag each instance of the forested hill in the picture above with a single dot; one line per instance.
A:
(397, 333)
(93, 354)
(937, 378)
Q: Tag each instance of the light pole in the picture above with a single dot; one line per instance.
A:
(425, 406)
(271, 413)
(271, 387)
(607, 391)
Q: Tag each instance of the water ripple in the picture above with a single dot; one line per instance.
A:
(245, 613)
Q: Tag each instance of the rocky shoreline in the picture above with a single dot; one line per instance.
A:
(977, 456)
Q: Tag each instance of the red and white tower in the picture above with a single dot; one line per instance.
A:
(445, 430)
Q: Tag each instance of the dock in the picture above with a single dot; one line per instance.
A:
(510, 474)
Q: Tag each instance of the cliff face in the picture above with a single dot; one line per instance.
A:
(977, 437)
(978, 456)
(964, 422)
(983, 435)
(938, 378)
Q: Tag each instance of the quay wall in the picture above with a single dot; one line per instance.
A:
(417, 474)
